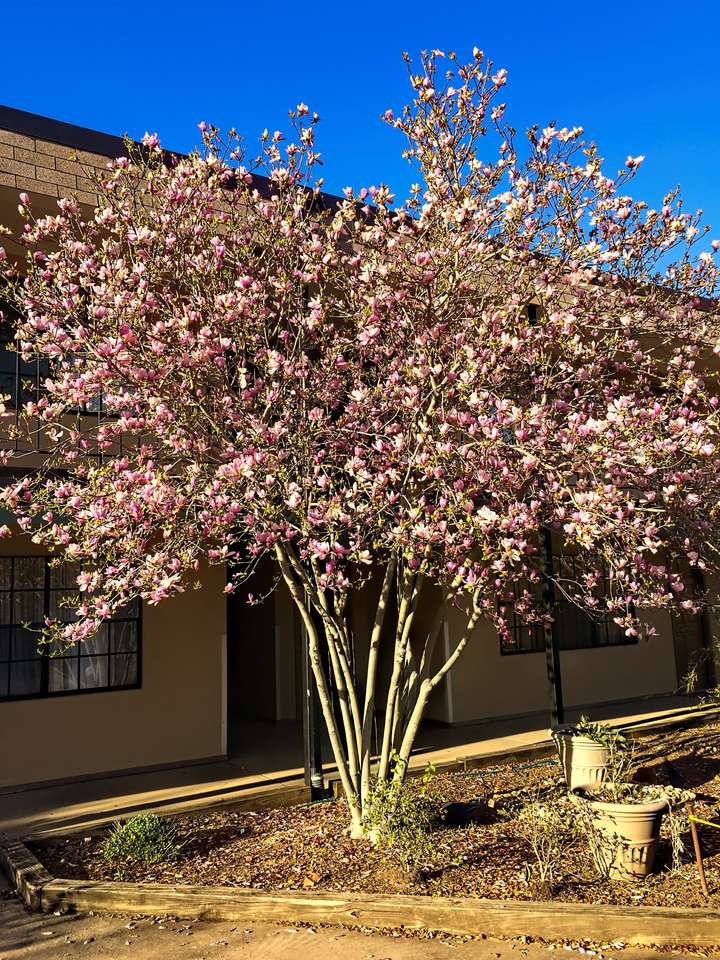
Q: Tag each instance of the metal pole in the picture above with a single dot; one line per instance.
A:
(552, 651)
(698, 852)
(312, 727)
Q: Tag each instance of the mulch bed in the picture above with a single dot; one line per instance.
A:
(308, 846)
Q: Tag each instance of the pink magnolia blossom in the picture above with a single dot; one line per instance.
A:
(416, 389)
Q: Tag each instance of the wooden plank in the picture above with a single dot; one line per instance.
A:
(24, 872)
(461, 916)
(239, 799)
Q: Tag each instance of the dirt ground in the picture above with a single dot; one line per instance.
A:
(308, 846)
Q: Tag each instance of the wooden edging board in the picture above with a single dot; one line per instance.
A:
(454, 915)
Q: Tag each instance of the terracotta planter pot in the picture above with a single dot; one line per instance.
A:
(627, 836)
(584, 761)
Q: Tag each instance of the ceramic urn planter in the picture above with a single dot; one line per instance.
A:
(584, 761)
(627, 835)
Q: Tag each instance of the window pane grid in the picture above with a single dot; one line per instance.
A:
(23, 381)
(576, 629)
(31, 589)
(522, 637)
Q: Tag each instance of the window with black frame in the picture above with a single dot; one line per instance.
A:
(576, 629)
(21, 381)
(31, 589)
(521, 637)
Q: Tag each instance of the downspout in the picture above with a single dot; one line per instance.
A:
(552, 650)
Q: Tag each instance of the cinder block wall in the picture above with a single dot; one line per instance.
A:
(48, 169)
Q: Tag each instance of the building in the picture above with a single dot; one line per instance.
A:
(174, 684)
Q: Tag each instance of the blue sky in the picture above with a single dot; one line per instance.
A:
(642, 78)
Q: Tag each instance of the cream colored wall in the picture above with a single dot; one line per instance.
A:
(177, 715)
(485, 684)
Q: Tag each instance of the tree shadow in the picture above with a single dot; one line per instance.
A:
(686, 772)
(458, 813)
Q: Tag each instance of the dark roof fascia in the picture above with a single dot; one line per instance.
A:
(65, 134)
(83, 138)
(106, 144)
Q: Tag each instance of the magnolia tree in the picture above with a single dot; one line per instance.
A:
(376, 395)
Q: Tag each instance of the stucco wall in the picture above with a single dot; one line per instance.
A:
(486, 684)
(178, 714)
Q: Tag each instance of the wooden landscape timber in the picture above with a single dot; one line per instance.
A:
(459, 916)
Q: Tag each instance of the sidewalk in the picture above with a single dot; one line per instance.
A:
(270, 770)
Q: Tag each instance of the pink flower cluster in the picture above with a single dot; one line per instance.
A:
(519, 346)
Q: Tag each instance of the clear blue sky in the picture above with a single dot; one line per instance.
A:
(641, 77)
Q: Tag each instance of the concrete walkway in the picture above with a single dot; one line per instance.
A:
(272, 761)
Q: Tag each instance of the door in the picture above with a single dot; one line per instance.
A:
(692, 661)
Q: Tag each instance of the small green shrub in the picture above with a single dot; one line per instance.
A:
(401, 817)
(691, 682)
(146, 838)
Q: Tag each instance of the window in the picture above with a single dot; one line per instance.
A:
(575, 628)
(23, 381)
(20, 380)
(521, 637)
(30, 590)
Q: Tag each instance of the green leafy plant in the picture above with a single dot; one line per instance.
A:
(601, 733)
(401, 817)
(146, 838)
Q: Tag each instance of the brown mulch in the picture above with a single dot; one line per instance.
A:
(308, 847)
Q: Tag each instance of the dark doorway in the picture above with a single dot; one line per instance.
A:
(262, 658)
(692, 655)
(251, 652)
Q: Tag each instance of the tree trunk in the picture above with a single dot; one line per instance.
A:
(409, 689)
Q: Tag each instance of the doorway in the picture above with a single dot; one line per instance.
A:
(689, 631)
(263, 651)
